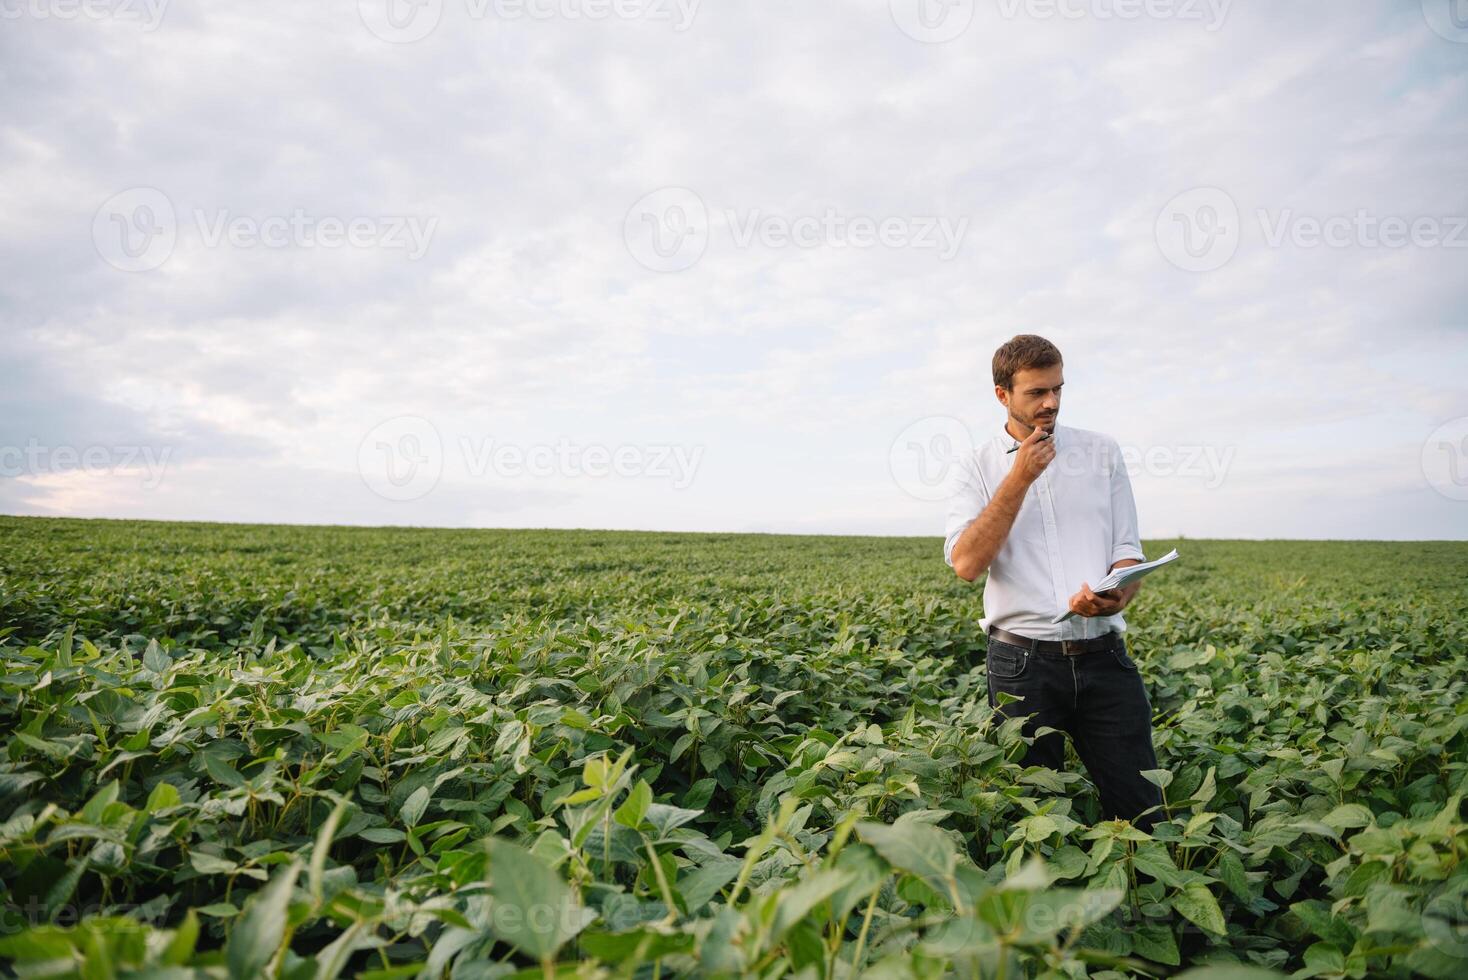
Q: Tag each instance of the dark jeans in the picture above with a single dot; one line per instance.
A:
(1096, 698)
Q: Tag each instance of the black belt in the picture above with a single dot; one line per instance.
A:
(1069, 648)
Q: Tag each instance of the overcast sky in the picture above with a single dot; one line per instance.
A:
(729, 266)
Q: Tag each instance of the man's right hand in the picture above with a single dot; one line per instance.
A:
(1034, 454)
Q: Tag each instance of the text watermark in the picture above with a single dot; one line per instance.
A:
(1201, 229)
(669, 229)
(933, 457)
(403, 459)
(138, 229)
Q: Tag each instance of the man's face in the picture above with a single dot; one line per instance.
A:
(1034, 401)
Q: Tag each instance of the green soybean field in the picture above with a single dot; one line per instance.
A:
(310, 752)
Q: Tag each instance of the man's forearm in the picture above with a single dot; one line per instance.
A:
(1128, 593)
(981, 540)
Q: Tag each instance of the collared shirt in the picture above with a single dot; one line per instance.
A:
(1078, 519)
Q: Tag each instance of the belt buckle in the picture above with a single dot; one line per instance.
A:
(1071, 648)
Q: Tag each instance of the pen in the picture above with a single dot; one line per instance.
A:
(1013, 448)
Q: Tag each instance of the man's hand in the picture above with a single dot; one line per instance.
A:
(1108, 603)
(1034, 454)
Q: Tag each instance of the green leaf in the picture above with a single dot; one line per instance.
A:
(155, 660)
(211, 864)
(1161, 778)
(868, 871)
(917, 848)
(322, 850)
(1197, 904)
(257, 935)
(222, 771)
(793, 904)
(163, 796)
(1231, 872)
(1325, 958)
(414, 806)
(181, 947)
(699, 886)
(1347, 816)
(634, 808)
(382, 835)
(534, 910)
(1157, 862)
(1389, 910)
(1156, 942)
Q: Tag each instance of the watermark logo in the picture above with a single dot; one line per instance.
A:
(667, 230)
(1445, 918)
(406, 21)
(36, 459)
(675, 463)
(1445, 459)
(929, 459)
(926, 459)
(301, 229)
(146, 13)
(1210, 13)
(400, 21)
(135, 230)
(402, 458)
(138, 229)
(1361, 230)
(832, 229)
(1198, 230)
(932, 21)
(1447, 18)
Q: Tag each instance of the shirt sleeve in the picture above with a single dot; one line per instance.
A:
(1126, 541)
(969, 498)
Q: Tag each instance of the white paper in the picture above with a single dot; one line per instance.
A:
(1122, 576)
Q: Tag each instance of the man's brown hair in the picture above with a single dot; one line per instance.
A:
(1023, 351)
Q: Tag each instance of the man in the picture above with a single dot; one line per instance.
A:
(1056, 512)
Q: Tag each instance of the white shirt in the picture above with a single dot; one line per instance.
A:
(1077, 519)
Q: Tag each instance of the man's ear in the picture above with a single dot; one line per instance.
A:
(1002, 395)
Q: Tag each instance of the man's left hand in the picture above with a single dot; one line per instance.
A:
(1108, 603)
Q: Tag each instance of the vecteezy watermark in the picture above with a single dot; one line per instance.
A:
(930, 459)
(138, 229)
(406, 21)
(37, 459)
(836, 230)
(135, 230)
(1199, 230)
(146, 13)
(1447, 18)
(937, 21)
(926, 459)
(565, 458)
(932, 21)
(1362, 230)
(1445, 459)
(403, 459)
(669, 229)
(1209, 13)
(34, 911)
(1445, 918)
